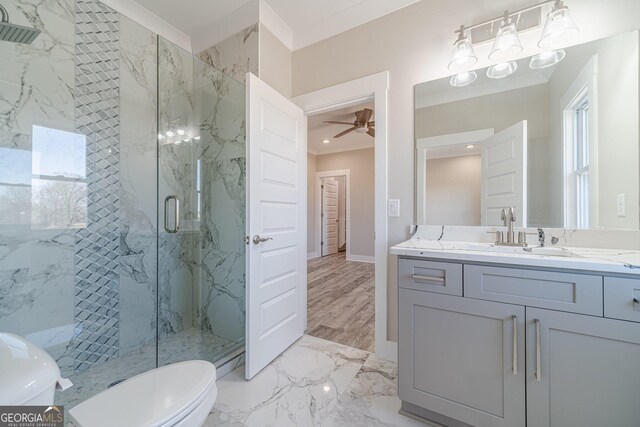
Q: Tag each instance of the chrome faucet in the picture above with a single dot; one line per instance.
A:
(508, 216)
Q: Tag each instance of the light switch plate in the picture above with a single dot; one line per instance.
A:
(620, 208)
(393, 207)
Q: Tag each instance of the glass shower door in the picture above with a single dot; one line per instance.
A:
(201, 199)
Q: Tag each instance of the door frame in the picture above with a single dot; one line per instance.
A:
(318, 204)
(373, 87)
(439, 141)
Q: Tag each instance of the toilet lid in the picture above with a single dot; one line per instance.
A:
(152, 398)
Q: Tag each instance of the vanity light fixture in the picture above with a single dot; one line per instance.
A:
(559, 28)
(325, 141)
(463, 79)
(546, 59)
(502, 70)
(463, 56)
(507, 43)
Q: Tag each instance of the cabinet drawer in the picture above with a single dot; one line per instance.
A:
(576, 293)
(432, 276)
(622, 298)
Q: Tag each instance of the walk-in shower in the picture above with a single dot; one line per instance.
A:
(101, 123)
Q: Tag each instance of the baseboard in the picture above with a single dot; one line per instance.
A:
(361, 258)
(311, 255)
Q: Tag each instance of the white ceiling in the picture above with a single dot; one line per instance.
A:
(191, 16)
(317, 131)
(299, 23)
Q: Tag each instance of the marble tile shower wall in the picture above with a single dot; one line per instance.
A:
(202, 267)
(235, 55)
(220, 106)
(78, 118)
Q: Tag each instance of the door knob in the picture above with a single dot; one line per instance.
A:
(257, 239)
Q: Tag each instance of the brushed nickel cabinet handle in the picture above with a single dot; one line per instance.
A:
(515, 344)
(538, 358)
(428, 278)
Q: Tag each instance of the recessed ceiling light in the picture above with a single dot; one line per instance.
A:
(325, 141)
(470, 146)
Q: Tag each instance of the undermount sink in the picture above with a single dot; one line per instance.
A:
(544, 251)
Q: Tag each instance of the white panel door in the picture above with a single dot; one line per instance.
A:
(329, 216)
(276, 226)
(504, 175)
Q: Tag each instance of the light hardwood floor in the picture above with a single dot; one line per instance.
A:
(340, 301)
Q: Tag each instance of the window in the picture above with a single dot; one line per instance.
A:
(581, 161)
(58, 179)
(580, 145)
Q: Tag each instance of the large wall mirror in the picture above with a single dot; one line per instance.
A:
(558, 143)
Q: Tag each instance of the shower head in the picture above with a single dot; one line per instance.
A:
(15, 33)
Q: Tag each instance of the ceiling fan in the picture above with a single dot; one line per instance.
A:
(360, 125)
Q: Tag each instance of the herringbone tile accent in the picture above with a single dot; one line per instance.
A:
(97, 247)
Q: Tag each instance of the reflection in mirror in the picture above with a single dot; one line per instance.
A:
(560, 143)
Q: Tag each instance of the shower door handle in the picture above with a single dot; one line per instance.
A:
(176, 227)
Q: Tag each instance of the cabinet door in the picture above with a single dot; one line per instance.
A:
(582, 371)
(462, 358)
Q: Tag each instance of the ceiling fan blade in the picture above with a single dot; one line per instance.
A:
(371, 132)
(366, 115)
(338, 123)
(345, 132)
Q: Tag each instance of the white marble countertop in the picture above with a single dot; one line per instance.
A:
(586, 259)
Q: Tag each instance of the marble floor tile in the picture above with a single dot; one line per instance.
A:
(314, 383)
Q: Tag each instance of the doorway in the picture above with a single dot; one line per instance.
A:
(341, 269)
(332, 217)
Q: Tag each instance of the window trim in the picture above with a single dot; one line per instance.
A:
(583, 87)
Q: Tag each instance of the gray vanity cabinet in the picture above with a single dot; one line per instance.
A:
(582, 371)
(462, 358)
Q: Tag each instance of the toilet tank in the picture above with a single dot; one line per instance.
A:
(28, 375)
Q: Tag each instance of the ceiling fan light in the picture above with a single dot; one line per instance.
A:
(559, 28)
(463, 56)
(463, 79)
(546, 59)
(507, 43)
(502, 70)
(363, 129)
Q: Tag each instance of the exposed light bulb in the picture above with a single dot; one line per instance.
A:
(507, 43)
(502, 70)
(546, 59)
(559, 28)
(169, 134)
(463, 79)
(463, 56)
(180, 132)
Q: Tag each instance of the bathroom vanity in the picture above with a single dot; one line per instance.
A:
(496, 337)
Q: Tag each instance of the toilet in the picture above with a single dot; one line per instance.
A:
(177, 395)
(28, 375)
